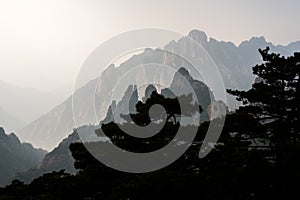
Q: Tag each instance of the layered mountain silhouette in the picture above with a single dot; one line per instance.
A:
(61, 158)
(234, 63)
(180, 85)
(16, 156)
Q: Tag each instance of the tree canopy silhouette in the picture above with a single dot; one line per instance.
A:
(274, 98)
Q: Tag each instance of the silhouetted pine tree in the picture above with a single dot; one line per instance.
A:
(274, 99)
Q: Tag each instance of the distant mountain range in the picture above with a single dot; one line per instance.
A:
(234, 63)
(16, 156)
(23, 105)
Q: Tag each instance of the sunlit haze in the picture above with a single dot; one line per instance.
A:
(44, 42)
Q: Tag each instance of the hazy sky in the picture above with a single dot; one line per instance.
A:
(43, 43)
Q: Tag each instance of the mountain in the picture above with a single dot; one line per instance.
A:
(50, 129)
(61, 158)
(58, 159)
(9, 122)
(234, 63)
(180, 85)
(125, 106)
(26, 104)
(16, 156)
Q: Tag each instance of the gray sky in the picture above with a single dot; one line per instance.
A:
(43, 43)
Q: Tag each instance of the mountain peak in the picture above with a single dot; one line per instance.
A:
(198, 36)
(14, 137)
(2, 134)
(148, 91)
(2, 131)
(16, 156)
(260, 39)
(183, 71)
(254, 41)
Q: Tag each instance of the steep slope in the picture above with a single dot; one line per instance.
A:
(50, 129)
(16, 156)
(234, 62)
